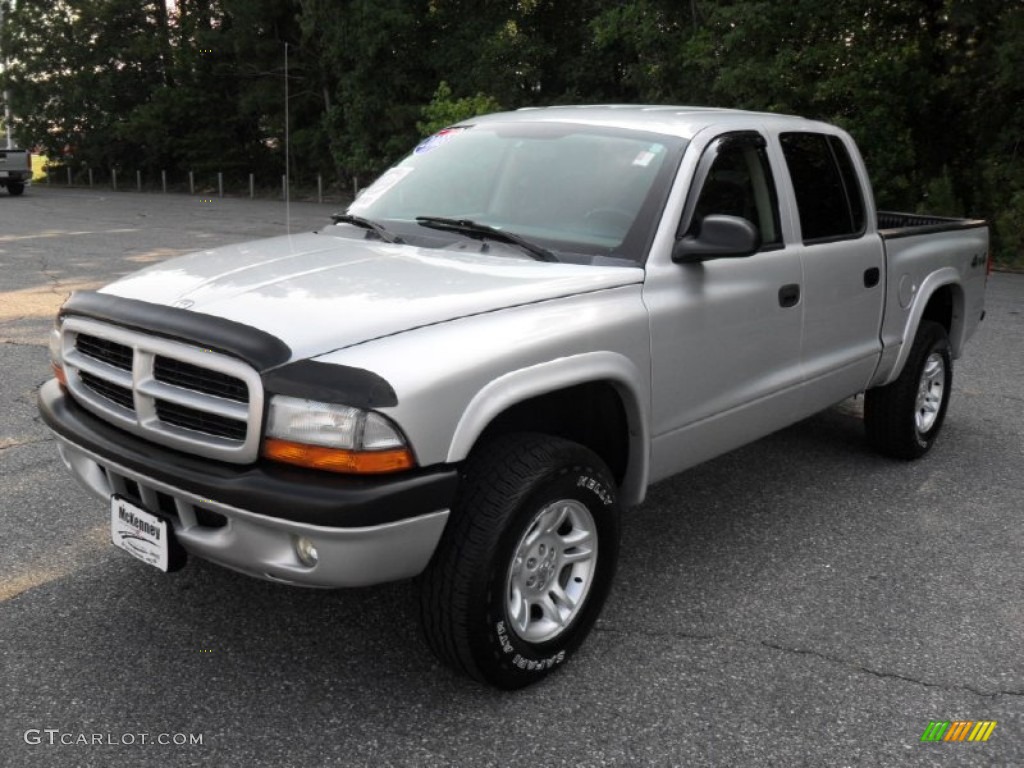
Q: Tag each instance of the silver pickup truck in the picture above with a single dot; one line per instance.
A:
(15, 170)
(502, 344)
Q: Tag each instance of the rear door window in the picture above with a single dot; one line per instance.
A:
(828, 193)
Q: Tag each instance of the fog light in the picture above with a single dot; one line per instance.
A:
(306, 552)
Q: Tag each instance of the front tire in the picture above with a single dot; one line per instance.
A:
(526, 561)
(903, 418)
(15, 188)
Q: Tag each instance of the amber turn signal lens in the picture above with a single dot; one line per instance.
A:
(59, 374)
(337, 459)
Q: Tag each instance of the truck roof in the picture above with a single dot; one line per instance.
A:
(680, 121)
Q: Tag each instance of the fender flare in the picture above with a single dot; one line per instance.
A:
(514, 387)
(932, 283)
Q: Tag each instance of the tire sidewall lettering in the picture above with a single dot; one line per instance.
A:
(516, 656)
(594, 485)
(522, 656)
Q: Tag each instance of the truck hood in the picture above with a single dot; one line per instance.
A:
(319, 292)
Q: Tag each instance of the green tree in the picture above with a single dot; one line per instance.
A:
(75, 67)
(931, 89)
(444, 109)
(378, 82)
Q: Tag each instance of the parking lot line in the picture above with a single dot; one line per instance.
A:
(71, 559)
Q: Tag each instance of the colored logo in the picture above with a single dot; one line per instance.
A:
(959, 730)
(435, 141)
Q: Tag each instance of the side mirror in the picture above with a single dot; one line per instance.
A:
(720, 237)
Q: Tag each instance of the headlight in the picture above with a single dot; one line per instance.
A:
(337, 438)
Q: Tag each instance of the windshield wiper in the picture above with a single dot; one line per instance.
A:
(476, 229)
(373, 226)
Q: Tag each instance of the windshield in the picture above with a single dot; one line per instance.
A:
(586, 194)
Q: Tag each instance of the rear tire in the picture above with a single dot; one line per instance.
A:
(15, 188)
(526, 560)
(904, 418)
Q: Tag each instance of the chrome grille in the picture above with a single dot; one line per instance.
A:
(118, 394)
(182, 396)
(200, 421)
(117, 355)
(190, 376)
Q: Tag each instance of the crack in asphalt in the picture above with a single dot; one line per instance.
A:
(816, 654)
(21, 443)
(13, 343)
(50, 274)
(888, 675)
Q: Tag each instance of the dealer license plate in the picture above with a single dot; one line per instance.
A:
(139, 533)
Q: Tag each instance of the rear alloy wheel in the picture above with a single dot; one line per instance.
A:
(526, 560)
(903, 418)
(931, 393)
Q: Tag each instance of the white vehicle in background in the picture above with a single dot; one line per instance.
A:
(502, 343)
(15, 170)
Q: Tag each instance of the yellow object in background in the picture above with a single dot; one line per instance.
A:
(39, 167)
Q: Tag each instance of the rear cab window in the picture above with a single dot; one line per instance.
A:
(828, 193)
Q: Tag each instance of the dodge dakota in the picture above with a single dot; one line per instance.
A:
(468, 375)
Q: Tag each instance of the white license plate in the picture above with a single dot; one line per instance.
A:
(3, 174)
(139, 533)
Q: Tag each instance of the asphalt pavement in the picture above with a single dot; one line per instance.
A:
(799, 602)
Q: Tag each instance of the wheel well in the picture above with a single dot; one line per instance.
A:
(590, 414)
(940, 308)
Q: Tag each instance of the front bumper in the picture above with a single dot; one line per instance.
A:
(247, 518)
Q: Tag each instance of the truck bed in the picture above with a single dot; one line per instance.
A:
(923, 254)
(892, 224)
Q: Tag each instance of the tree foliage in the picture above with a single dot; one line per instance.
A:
(444, 109)
(931, 89)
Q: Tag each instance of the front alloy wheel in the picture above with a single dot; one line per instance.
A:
(551, 571)
(526, 560)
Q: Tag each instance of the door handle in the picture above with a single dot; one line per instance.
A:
(871, 277)
(789, 295)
